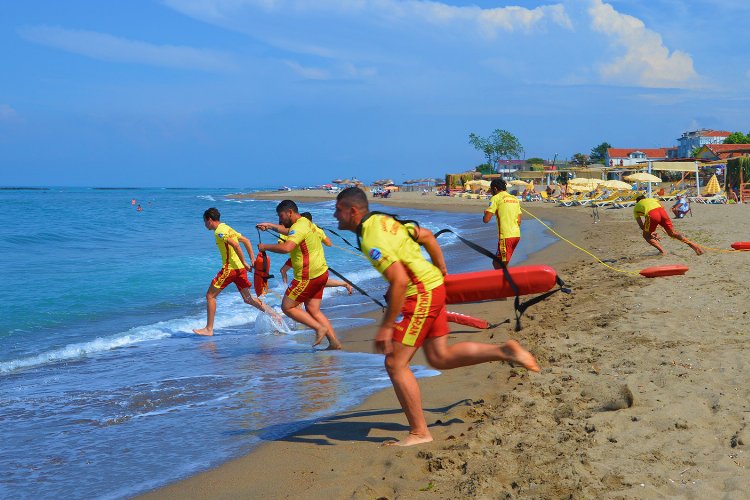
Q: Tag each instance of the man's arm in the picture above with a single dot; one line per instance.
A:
(285, 247)
(238, 249)
(398, 280)
(429, 242)
(265, 226)
(640, 222)
(487, 216)
(249, 247)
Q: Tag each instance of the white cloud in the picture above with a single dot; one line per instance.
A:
(7, 113)
(309, 73)
(647, 62)
(106, 47)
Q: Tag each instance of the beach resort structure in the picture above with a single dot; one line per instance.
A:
(624, 157)
(688, 141)
(715, 152)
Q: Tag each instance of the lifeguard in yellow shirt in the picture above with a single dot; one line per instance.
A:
(416, 291)
(649, 214)
(507, 210)
(310, 270)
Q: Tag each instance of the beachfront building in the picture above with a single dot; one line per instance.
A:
(624, 157)
(715, 152)
(698, 138)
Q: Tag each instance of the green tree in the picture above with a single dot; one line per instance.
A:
(695, 151)
(484, 168)
(738, 138)
(580, 159)
(599, 153)
(501, 145)
(534, 161)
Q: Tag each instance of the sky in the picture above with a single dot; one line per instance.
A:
(244, 93)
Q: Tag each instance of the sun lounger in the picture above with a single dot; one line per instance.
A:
(718, 198)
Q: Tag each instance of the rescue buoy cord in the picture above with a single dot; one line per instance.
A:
(600, 261)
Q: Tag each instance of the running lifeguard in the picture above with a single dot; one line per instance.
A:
(649, 214)
(233, 270)
(507, 210)
(416, 291)
(310, 270)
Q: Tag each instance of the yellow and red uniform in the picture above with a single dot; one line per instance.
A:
(232, 270)
(384, 241)
(507, 210)
(654, 215)
(308, 262)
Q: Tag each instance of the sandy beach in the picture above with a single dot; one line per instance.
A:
(642, 393)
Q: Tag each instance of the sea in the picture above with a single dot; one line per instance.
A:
(105, 392)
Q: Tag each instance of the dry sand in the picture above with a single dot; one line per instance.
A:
(643, 391)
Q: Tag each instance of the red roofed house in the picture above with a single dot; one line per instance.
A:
(723, 151)
(697, 138)
(623, 157)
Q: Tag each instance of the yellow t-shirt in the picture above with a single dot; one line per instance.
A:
(644, 206)
(228, 256)
(308, 259)
(385, 241)
(506, 208)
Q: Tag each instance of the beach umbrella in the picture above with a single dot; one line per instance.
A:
(583, 184)
(518, 182)
(615, 184)
(531, 185)
(713, 186)
(337, 181)
(642, 177)
(478, 184)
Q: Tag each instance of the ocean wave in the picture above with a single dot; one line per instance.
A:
(207, 197)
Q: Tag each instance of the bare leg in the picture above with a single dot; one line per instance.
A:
(247, 296)
(409, 396)
(653, 242)
(211, 295)
(445, 357)
(312, 306)
(299, 315)
(679, 236)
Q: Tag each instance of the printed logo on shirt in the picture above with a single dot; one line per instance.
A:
(291, 232)
(375, 254)
(221, 235)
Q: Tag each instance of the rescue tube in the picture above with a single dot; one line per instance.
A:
(670, 270)
(463, 319)
(492, 285)
(261, 268)
(741, 245)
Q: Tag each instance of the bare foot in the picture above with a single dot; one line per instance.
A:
(410, 440)
(517, 354)
(334, 347)
(349, 288)
(320, 335)
(204, 331)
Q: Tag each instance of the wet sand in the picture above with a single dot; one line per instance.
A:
(642, 394)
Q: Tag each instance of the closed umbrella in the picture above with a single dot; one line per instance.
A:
(713, 186)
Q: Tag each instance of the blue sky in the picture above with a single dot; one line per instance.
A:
(241, 93)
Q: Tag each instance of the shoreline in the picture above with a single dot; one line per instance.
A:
(619, 408)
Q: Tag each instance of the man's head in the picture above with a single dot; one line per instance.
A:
(211, 218)
(306, 215)
(640, 197)
(288, 213)
(498, 185)
(351, 207)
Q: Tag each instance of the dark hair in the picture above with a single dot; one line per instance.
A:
(307, 215)
(213, 214)
(287, 205)
(354, 197)
(498, 184)
(640, 197)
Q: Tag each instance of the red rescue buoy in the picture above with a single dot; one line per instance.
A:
(741, 245)
(466, 320)
(670, 270)
(261, 268)
(492, 285)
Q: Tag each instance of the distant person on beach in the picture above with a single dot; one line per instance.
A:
(649, 214)
(308, 260)
(681, 207)
(416, 292)
(233, 270)
(139, 209)
(507, 210)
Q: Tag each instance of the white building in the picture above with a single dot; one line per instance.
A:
(699, 138)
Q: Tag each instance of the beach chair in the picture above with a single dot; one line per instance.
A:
(673, 195)
(586, 201)
(569, 201)
(628, 201)
(718, 198)
(616, 196)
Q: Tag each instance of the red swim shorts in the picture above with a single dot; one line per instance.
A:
(657, 217)
(227, 276)
(505, 247)
(424, 316)
(304, 290)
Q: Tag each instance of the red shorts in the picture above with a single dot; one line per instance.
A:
(227, 276)
(505, 247)
(304, 290)
(424, 316)
(657, 217)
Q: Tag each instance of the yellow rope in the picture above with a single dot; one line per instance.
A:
(625, 271)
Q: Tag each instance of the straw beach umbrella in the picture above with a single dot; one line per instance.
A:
(518, 182)
(583, 184)
(713, 186)
(615, 184)
(642, 177)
